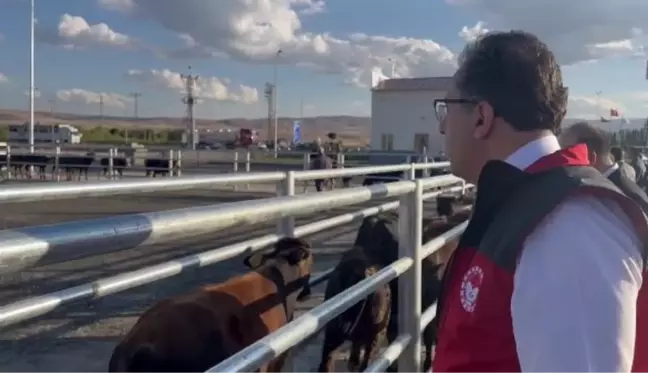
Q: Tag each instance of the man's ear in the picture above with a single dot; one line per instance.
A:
(593, 157)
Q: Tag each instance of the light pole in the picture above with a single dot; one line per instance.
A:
(274, 103)
(31, 80)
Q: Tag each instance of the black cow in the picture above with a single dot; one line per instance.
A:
(22, 162)
(158, 166)
(376, 246)
(72, 163)
(119, 164)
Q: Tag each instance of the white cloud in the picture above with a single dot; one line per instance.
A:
(3, 78)
(574, 32)
(592, 106)
(123, 6)
(78, 95)
(37, 93)
(254, 30)
(208, 88)
(75, 32)
(308, 7)
(471, 33)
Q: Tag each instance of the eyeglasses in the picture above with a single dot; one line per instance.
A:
(441, 105)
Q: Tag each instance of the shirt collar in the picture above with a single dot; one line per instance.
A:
(532, 151)
(611, 170)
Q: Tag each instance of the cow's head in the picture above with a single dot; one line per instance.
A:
(293, 255)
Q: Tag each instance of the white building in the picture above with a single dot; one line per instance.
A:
(45, 133)
(403, 116)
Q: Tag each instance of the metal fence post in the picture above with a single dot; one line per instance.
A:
(111, 163)
(57, 164)
(247, 166)
(235, 166)
(286, 227)
(306, 161)
(171, 156)
(8, 163)
(286, 187)
(178, 165)
(410, 221)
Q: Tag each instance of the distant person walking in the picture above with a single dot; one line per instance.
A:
(320, 162)
(619, 157)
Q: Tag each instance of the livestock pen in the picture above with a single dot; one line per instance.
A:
(26, 247)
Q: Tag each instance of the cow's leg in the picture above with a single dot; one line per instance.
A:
(354, 356)
(276, 364)
(429, 335)
(370, 349)
(333, 339)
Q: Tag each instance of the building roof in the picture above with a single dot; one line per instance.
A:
(441, 83)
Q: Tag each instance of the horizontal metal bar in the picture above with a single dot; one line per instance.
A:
(270, 346)
(30, 193)
(45, 192)
(435, 244)
(428, 315)
(24, 247)
(37, 306)
(390, 354)
(354, 171)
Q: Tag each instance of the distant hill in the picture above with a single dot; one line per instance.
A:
(354, 129)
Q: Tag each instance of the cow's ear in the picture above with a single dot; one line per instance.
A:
(254, 261)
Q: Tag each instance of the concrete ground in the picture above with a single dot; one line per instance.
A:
(80, 337)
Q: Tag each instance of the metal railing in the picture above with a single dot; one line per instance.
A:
(25, 247)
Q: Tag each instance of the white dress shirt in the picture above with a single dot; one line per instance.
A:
(576, 284)
(611, 170)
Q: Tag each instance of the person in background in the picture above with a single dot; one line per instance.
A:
(599, 152)
(637, 163)
(321, 162)
(619, 158)
(562, 291)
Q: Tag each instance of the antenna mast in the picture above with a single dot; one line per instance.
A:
(135, 96)
(190, 101)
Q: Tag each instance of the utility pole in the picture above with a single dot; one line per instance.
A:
(190, 101)
(135, 96)
(269, 95)
(274, 105)
(31, 81)
(101, 106)
(52, 103)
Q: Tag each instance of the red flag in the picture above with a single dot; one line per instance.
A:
(614, 113)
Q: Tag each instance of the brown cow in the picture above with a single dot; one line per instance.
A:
(193, 332)
(375, 247)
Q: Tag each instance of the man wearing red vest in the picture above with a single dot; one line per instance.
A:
(548, 274)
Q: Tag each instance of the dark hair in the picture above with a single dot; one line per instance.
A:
(518, 76)
(617, 154)
(596, 139)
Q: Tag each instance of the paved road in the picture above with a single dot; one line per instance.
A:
(81, 337)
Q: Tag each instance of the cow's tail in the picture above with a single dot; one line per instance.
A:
(147, 359)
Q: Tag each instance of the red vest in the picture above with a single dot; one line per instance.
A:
(480, 338)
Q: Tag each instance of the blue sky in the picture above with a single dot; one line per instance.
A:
(328, 51)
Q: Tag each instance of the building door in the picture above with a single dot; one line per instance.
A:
(421, 142)
(387, 141)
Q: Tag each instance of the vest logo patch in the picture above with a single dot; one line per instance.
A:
(470, 284)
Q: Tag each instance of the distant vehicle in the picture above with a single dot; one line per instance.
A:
(384, 159)
(45, 133)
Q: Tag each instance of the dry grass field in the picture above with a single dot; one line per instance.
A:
(354, 131)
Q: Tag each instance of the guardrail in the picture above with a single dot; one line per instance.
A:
(25, 247)
(42, 192)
